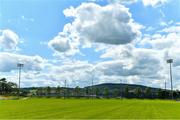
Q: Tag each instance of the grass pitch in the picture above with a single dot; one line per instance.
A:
(52, 108)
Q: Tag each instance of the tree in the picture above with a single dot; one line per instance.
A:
(97, 92)
(106, 92)
(138, 92)
(77, 91)
(39, 92)
(7, 87)
(176, 94)
(148, 92)
(126, 91)
(3, 85)
(68, 92)
(58, 91)
(115, 93)
(87, 91)
(48, 91)
(161, 94)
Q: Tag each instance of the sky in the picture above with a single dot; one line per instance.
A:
(107, 41)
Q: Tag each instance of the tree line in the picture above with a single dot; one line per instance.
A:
(10, 88)
(105, 92)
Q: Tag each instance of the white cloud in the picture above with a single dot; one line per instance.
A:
(172, 29)
(8, 39)
(27, 19)
(65, 43)
(134, 65)
(60, 43)
(147, 65)
(153, 3)
(111, 24)
(96, 24)
(162, 23)
(150, 28)
(168, 40)
(8, 62)
(134, 61)
(76, 73)
(143, 66)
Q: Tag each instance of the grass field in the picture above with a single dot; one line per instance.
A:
(44, 108)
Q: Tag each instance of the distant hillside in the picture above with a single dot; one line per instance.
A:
(110, 86)
(118, 86)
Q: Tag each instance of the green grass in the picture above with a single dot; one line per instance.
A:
(44, 108)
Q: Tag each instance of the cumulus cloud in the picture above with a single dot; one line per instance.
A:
(111, 24)
(8, 39)
(146, 64)
(166, 39)
(8, 62)
(153, 3)
(130, 64)
(134, 65)
(65, 43)
(76, 73)
(60, 43)
(133, 61)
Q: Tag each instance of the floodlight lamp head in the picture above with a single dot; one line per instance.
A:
(170, 61)
(20, 65)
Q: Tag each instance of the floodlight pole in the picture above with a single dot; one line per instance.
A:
(92, 82)
(121, 88)
(165, 88)
(20, 65)
(65, 88)
(170, 61)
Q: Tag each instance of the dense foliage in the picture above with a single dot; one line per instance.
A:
(7, 87)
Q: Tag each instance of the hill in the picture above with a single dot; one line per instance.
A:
(122, 87)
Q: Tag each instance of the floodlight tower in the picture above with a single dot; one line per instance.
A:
(92, 73)
(20, 66)
(170, 61)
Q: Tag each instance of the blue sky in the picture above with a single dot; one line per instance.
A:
(39, 21)
(36, 22)
(39, 30)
